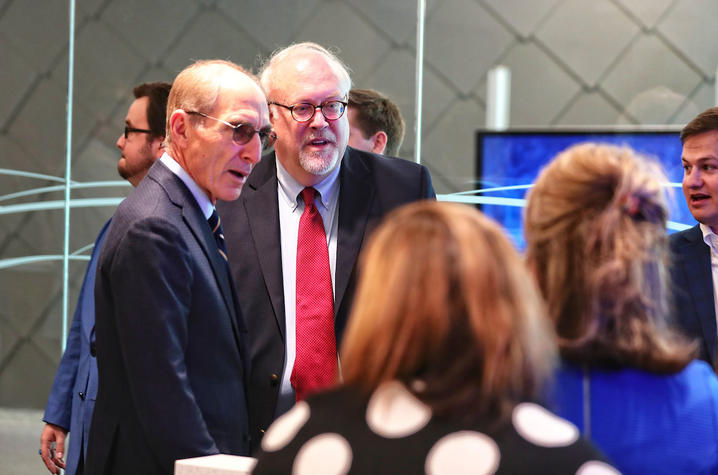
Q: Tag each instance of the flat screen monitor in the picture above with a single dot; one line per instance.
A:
(508, 162)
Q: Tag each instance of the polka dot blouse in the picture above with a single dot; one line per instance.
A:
(338, 433)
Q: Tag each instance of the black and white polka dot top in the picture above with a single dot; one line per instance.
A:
(394, 433)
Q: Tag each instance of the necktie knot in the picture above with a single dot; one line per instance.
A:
(308, 195)
(213, 221)
(215, 225)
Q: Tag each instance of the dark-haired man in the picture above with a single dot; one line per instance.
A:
(375, 123)
(72, 398)
(695, 250)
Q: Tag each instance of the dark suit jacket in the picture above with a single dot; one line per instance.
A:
(170, 338)
(370, 187)
(72, 398)
(692, 278)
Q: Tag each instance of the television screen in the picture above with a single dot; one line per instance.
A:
(508, 162)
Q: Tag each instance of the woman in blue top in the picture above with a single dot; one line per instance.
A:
(595, 227)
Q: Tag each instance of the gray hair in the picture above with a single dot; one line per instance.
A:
(266, 78)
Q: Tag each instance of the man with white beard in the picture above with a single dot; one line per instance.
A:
(303, 216)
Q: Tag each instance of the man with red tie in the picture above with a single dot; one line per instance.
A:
(298, 227)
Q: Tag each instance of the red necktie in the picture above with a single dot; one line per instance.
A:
(315, 365)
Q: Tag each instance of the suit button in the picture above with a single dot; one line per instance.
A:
(274, 380)
(82, 395)
(93, 349)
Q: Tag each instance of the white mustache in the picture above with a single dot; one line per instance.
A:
(329, 137)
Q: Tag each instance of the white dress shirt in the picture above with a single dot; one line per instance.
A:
(200, 196)
(710, 238)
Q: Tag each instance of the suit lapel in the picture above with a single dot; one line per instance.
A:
(356, 195)
(261, 205)
(696, 262)
(197, 224)
(259, 199)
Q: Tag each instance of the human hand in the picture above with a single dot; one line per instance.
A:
(52, 456)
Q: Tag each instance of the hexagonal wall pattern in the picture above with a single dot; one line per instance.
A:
(573, 62)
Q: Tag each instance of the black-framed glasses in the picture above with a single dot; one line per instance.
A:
(129, 130)
(304, 111)
(243, 133)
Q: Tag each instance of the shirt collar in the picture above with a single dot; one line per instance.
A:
(709, 237)
(290, 188)
(200, 196)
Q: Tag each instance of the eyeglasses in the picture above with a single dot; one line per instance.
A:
(129, 129)
(304, 111)
(243, 133)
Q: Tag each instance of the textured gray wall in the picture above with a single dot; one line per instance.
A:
(573, 62)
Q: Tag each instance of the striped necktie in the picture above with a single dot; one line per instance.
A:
(215, 225)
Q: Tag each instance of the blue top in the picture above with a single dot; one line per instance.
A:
(646, 422)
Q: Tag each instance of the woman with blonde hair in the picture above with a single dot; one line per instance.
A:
(595, 227)
(447, 346)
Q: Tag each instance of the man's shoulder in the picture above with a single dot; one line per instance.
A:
(146, 200)
(393, 175)
(147, 211)
(685, 237)
(382, 162)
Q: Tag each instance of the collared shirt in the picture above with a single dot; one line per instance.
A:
(200, 196)
(291, 207)
(710, 238)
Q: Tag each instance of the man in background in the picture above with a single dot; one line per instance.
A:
(695, 250)
(171, 340)
(299, 225)
(72, 398)
(375, 123)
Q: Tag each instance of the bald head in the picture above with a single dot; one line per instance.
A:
(295, 61)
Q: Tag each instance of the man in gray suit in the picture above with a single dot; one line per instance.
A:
(171, 340)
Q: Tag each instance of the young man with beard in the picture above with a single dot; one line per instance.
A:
(72, 398)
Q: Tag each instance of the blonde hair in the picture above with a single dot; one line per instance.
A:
(196, 88)
(596, 240)
(443, 298)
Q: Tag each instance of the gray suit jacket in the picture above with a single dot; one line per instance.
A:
(370, 186)
(170, 337)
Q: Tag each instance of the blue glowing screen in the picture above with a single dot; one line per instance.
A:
(516, 158)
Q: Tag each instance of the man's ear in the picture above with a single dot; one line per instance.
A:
(179, 127)
(378, 141)
(156, 146)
